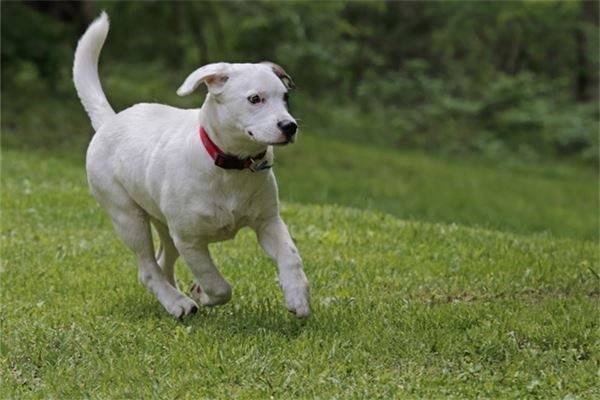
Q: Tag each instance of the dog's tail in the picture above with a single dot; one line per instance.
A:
(85, 72)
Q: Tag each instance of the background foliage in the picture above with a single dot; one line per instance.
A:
(499, 79)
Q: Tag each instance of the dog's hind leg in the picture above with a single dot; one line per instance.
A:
(167, 253)
(133, 226)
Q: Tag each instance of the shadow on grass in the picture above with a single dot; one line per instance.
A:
(234, 318)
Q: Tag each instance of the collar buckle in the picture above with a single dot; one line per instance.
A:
(258, 164)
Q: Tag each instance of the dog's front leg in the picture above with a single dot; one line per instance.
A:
(275, 239)
(211, 288)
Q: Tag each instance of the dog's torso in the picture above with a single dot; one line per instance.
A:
(154, 153)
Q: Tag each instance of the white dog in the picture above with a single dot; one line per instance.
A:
(197, 175)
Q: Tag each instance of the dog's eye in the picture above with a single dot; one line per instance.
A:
(254, 99)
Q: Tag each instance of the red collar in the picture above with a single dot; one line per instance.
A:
(228, 161)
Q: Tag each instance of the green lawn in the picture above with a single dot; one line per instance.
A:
(557, 198)
(400, 308)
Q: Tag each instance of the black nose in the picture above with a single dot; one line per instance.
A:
(288, 128)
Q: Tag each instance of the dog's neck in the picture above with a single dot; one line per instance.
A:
(228, 139)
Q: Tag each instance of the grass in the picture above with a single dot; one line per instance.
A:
(400, 308)
(557, 199)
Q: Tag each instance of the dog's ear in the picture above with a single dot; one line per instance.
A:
(281, 74)
(214, 75)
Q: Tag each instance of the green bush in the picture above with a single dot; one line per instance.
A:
(522, 115)
(501, 79)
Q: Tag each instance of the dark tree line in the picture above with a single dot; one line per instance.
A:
(494, 69)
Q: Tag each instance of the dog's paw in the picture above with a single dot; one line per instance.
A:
(182, 306)
(219, 296)
(297, 300)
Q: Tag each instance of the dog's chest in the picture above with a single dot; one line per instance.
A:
(230, 207)
(227, 216)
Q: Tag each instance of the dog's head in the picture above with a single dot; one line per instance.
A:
(249, 101)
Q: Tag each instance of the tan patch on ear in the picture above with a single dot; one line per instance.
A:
(281, 74)
(211, 80)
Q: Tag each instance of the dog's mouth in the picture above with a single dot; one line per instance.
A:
(285, 142)
(281, 143)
